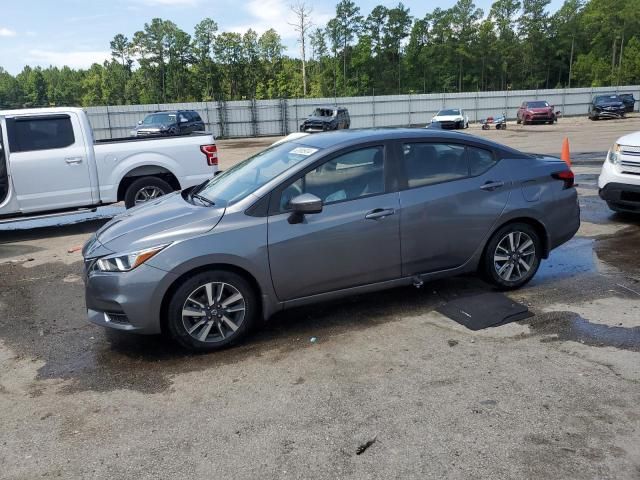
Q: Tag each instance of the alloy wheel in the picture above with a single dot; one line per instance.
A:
(213, 312)
(514, 256)
(147, 193)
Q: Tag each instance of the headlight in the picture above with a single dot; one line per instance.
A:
(614, 153)
(125, 262)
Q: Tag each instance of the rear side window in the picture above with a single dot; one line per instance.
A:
(195, 117)
(480, 160)
(429, 163)
(40, 133)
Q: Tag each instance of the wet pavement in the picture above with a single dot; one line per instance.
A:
(554, 396)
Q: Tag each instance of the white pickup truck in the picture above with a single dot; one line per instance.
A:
(619, 182)
(50, 164)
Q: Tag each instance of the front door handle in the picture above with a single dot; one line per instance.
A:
(379, 213)
(73, 160)
(491, 186)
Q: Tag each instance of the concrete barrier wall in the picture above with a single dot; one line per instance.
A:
(252, 118)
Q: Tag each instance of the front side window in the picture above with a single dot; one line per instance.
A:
(247, 176)
(356, 174)
(40, 133)
(429, 163)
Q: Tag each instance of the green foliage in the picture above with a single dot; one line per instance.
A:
(519, 44)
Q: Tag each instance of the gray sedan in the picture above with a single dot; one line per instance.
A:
(323, 217)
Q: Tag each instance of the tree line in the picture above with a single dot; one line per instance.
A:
(517, 44)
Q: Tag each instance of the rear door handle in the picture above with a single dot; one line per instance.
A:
(491, 186)
(73, 160)
(379, 213)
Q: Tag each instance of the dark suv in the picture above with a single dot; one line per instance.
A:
(606, 106)
(177, 122)
(326, 118)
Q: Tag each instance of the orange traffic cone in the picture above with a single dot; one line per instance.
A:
(565, 152)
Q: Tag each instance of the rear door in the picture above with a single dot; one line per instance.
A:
(353, 241)
(451, 197)
(49, 162)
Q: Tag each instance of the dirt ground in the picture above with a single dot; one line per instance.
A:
(554, 396)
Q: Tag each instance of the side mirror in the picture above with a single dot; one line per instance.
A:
(558, 113)
(302, 205)
(139, 122)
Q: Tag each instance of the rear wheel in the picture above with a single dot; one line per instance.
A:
(518, 121)
(144, 190)
(212, 310)
(512, 256)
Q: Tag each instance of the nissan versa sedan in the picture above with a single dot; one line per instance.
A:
(322, 217)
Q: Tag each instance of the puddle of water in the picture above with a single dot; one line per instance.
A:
(572, 258)
(569, 326)
(621, 251)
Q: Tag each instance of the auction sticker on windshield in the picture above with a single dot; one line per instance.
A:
(306, 151)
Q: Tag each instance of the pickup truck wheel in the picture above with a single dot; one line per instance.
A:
(145, 189)
(211, 310)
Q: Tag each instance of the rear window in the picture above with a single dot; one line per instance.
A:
(40, 133)
(195, 117)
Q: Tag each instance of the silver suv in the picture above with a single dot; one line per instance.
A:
(323, 217)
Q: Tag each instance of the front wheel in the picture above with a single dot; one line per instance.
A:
(512, 256)
(211, 310)
(145, 189)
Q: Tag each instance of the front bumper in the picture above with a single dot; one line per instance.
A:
(622, 195)
(127, 301)
(609, 113)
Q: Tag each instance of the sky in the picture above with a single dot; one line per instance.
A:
(77, 32)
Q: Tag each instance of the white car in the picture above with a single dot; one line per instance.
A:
(619, 182)
(50, 164)
(451, 118)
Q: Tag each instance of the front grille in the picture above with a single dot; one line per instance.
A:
(118, 318)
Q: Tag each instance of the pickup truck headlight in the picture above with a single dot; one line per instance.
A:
(125, 262)
(614, 153)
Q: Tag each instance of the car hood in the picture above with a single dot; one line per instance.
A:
(151, 126)
(631, 140)
(168, 219)
(446, 118)
(319, 119)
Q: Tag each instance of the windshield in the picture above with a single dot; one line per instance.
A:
(537, 104)
(451, 111)
(322, 112)
(607, 99)
(247, 176)
(159, 119)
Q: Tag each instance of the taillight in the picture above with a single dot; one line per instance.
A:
(566, 176)
(211, 152)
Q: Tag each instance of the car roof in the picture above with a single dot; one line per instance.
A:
(349, 137)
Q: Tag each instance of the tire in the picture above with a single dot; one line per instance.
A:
(132, 195)
(217, 332)
(492, 269)
(518, 121)
(466, 125)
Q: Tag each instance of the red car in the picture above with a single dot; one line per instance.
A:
(536, 111)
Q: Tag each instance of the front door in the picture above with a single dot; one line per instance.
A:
(353, 241)
(49, 162)
(452, 197)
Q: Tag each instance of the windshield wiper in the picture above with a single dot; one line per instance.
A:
(203, 199)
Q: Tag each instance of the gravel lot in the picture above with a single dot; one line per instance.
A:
(555, 396)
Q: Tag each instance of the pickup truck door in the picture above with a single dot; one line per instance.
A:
(49, 162)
